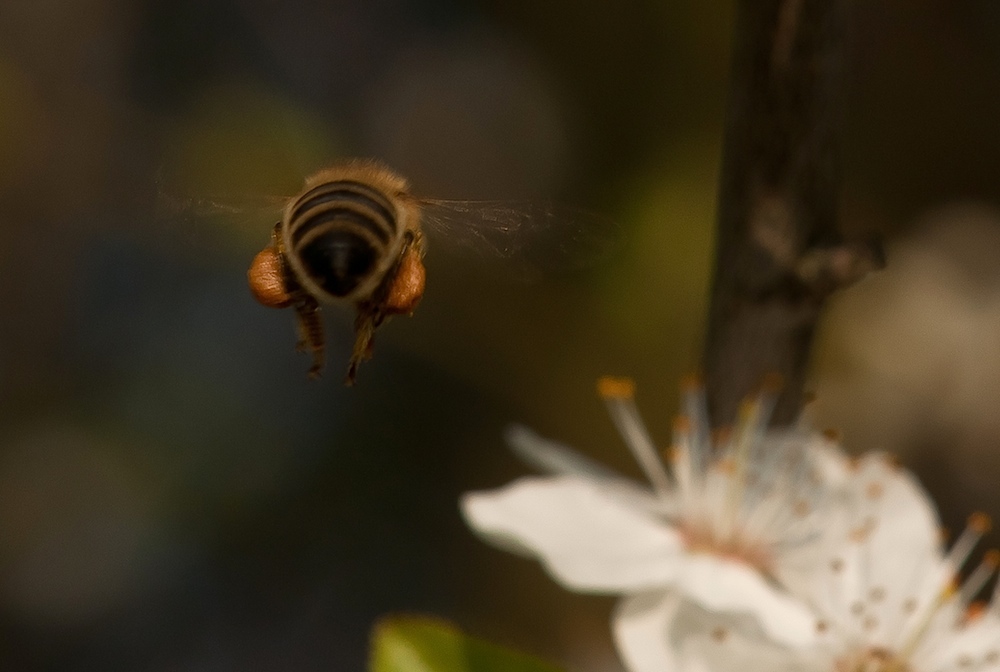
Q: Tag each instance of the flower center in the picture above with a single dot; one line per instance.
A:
(871, 660)
(698, 539)
(744, 493)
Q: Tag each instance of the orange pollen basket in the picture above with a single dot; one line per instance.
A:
(407, 286)
(267, 280)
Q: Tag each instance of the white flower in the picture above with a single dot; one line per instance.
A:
(732, 519)
(888, 600)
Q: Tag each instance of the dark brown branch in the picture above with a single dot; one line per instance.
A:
(778, 253)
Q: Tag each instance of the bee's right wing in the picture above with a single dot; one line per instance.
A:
(531, 237)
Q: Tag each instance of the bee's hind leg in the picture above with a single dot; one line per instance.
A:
(368, 319)
(310, 333)
(399, 292)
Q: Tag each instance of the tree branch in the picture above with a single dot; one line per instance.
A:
(778, 253)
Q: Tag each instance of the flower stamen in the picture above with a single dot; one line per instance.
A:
(918, 632)
(978, 525)
(618, 395)
(960, 596)
(681, 460)
(695, 409)
(980, 575)
(734, 498)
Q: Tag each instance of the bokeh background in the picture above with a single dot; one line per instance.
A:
(176, 495)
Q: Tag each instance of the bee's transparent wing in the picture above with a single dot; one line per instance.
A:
(529, 237)
(251, 206)
(201, 220)
(173, 202)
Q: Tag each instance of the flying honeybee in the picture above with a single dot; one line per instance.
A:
(353, 236)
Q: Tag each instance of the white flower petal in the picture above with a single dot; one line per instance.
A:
(719, 584)
(975, 642)
(554, 457)
(561, 460)
(884, 541)
(906, 513)
(588, 540)
(734, 652)
(832, 464)
(641, 625)
(664, 632)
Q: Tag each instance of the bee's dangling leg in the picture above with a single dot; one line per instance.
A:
(310, 333)
(399, 293)
(368, 319)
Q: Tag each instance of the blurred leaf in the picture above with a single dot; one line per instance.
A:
(422, 644)
(657, 299)
(245, 140)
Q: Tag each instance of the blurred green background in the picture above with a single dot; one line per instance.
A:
(176, 495)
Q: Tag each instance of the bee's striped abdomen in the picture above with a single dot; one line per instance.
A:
(340, 231)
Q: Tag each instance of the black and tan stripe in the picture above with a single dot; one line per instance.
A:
(350, 201)
(339, 230)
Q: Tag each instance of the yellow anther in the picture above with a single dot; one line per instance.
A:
(772, 383)
(726, 466)
(980, 523)
(949, 590)
(875, 490)
(975, 611)
(748, 407)
(859, 534)
(721, 435)
(992, 558)
(682, 424)
(893, 462)
(615, 388)
(692, 382)
(832, 434)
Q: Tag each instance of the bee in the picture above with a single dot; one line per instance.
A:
(354, 236)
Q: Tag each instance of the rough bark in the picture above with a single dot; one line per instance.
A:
(778, 253)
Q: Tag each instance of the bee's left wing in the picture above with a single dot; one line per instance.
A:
(246, 218)
(532, 237)
(252, 206)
